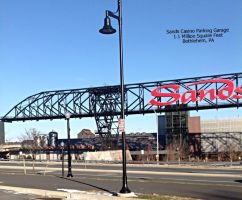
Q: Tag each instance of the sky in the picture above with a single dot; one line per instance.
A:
(55, 44)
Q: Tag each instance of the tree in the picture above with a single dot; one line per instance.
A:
(177, 147)
(230, 150)
(28, 141)
(29, 134)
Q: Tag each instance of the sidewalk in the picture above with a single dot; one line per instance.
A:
(80, 195)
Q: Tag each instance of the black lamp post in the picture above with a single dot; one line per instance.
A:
(62, 156)
(68, 115)
(108, 29)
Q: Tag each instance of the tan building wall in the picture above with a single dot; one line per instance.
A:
(221, 125)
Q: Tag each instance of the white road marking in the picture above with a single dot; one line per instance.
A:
(188, 180)
(85, 192)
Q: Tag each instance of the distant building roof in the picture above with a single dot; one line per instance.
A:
(85, 133)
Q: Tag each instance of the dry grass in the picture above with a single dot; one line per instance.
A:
(48, 198)
(163, 197)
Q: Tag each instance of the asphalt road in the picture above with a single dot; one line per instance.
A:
(226, 184)
(163, 185)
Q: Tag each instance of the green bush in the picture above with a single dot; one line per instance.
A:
(29, 157)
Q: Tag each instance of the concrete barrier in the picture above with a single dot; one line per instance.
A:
(114, 155)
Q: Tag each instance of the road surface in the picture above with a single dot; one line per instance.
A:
(204, 183)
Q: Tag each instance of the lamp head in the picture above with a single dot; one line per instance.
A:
(62, 144)
(68, 115)
(107, 28)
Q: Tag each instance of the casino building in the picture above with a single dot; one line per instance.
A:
(217, 139)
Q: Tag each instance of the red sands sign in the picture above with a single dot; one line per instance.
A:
(226, 91)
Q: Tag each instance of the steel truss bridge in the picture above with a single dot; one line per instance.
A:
(104, 103)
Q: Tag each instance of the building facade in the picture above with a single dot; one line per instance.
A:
(173, 134)
(221, 136)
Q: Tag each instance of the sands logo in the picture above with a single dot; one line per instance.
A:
(226, 91)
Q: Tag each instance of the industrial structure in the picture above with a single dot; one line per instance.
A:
(2, 133)
(49, 146)
(103, 103)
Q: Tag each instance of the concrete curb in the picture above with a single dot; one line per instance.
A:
(129, 172)
(60, 194)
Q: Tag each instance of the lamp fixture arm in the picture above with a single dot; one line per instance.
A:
(111, 14)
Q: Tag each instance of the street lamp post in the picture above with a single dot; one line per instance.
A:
(157, 137)
(62, 156)
(68, 115)
(108, 29)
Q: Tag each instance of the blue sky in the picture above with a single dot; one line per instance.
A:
(55, 44)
